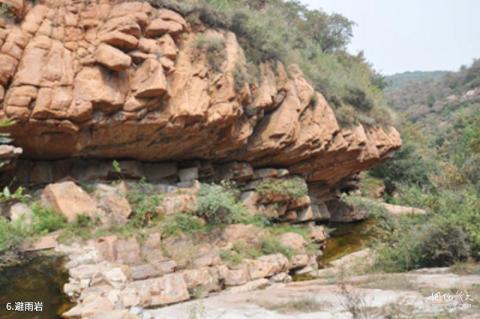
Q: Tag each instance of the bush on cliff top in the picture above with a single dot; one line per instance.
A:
(290, 188)
(290, 32)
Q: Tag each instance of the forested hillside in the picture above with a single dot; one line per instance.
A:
(399, 81)
(438, 168)
(434, 100)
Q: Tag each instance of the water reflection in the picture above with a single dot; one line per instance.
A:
(347, 239)
(39, 280)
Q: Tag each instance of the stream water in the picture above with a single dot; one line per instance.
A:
(347, 238)
(42, 278)
(39, 280)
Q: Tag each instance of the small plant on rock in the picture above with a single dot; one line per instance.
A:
(45, 220)
(144, 202)
(18, 196)
(219, 205)
(182, 223)
(214, 48)
(271, 245)
(10, 236)
(289, 188)
(81, 228)
(6, 10)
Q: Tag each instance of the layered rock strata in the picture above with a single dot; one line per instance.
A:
(127, 80)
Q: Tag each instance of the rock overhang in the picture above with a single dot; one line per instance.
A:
(129, 81)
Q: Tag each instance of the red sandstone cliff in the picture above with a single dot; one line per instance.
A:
(126, 80)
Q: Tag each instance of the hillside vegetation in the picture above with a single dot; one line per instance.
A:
(401, 80)
(290, 32)
(434, 100)
(438, 168)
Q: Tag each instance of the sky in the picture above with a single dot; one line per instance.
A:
(410, 35)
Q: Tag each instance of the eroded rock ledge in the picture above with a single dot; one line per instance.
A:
(126, 80)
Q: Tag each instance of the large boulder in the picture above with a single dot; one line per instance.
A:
(70, 200)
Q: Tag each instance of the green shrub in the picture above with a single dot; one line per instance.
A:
(10, 236)
(240, 78)
(45, 220)
(182, 223)
(8, 196)
(434, 243)
(144, 202)
(358, 98)
(6, 10)
(443, 244)
(279, 229)
(271, 245)
(365, 205)
(81, 228)
(239, 252)
(219, 205)
(231, 258)
(290, 188)
(411, 165)
(214, 47)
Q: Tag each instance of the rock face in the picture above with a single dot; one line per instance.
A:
(125, 80)
(119, 273)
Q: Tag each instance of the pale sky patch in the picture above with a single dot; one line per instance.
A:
(410, 35)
